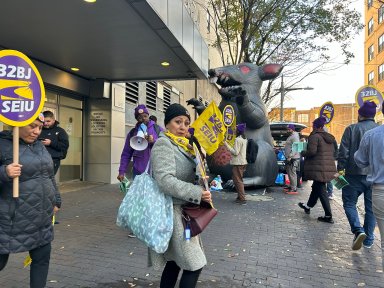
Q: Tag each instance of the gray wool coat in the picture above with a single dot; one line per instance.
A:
(26, 222)
(174, 170)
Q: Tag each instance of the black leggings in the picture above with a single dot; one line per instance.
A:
(39, 268)
(171, 272)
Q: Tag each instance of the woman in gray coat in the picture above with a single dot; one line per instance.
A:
(174, 168)
(26, 221)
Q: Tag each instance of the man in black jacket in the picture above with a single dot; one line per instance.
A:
(55, 139)
(357, 177)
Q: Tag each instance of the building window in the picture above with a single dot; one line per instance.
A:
(380, 13)
(302, 118)
(370, 52)
(166, 98)
(381, 43)
(381, 72)
(369, 3)
(371, 77)
(151, 92)
(132, 92)
(370, 26)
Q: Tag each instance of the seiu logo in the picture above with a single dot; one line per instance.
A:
(16, 96)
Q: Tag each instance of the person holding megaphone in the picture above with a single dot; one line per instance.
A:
(139, 143)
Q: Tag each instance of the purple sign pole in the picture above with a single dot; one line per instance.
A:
(22, 97)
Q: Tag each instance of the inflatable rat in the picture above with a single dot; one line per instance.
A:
(240, 88)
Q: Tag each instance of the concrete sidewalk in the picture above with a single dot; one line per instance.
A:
(270, 242)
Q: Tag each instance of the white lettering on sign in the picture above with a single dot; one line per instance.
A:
(12, 71)
(368, 93)
(328, 108)
(17, 106)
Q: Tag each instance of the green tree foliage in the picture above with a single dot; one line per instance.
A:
(294, 33)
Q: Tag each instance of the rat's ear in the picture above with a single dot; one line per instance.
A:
(269, 71)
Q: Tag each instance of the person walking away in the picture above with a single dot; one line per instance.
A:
(176, 179)
(26, 221)
(140, 158)
(55, 139)
(319, 167)
(292, 159)
(239, 162)
(357, 177)
(371, 155)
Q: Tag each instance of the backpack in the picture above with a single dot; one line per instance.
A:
(252, 150)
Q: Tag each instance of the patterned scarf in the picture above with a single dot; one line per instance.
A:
(182, 142)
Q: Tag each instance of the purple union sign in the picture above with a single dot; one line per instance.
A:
(327, 111)
(22, 93)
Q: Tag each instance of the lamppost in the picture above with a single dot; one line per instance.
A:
(283, 90)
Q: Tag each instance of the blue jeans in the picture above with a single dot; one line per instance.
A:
(329, 188)
(358, 185)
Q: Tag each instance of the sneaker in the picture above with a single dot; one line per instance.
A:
(330, 197)
(289, 188)
(358, 240)
(368, 246)
(326, 219)
(292, 192)
(306, 209)
(131, 235)
(241, 202)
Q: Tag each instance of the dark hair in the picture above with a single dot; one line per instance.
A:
(48, 114)
(153, 118)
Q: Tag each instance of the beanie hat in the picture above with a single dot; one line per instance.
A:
(191, 131)
(241, 127)
(291, 126)
(368, 109)
(175, 110)
(319, 122)
(140, 109)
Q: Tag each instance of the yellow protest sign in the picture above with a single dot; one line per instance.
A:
(210, 129)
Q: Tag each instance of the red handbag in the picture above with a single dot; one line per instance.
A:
(197, 217)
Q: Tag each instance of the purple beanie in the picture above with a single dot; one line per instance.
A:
(241, 127)
(319, 122)
(368, 109)
(291, 126)
(191, 131)
(140, 109)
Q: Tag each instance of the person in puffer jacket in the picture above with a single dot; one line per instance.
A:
(26, 221)
(320, 167)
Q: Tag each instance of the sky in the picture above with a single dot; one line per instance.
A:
(338, 86)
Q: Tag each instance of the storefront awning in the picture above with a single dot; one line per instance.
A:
(116, 40)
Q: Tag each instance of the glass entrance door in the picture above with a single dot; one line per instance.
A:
(71, 120)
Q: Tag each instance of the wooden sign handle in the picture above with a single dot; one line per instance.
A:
(16, 160)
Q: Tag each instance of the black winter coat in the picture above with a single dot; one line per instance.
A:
(350, 143)
(59, 141)
(319, 164)
(26, 222)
